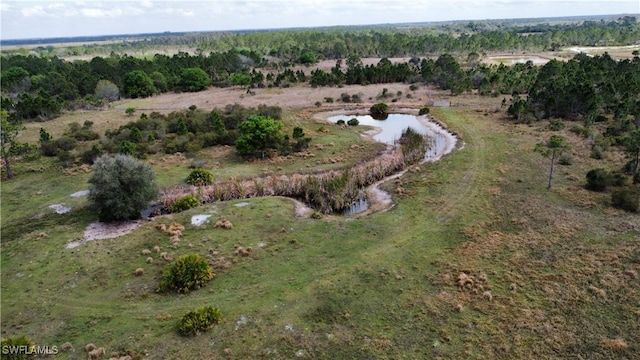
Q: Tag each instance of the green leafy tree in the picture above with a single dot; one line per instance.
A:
(9, 130)
(258, 134)
(120, 187)
(308, 58)
(379, 109)
(138, 84)
(552, 148)
(193, 79)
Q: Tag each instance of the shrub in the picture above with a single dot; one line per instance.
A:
(89, 156)
(413, 87)
(379, 109)
(626, 199)
(49, 148)
(423, 110)
(597, 152)
(318, 104)
(598, 179)
(199, 177)
(65, 157)
(565, 159)
(556, 125)
(66, 143)
(346, 98)
(353, 122)
(17, 341)
(120, 187)
(328, 99)
(184, 203)
(188, 272)
(340, 122)
(195, 322)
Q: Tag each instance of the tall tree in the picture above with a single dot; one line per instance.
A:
(258, 134)
(138, 84)
(9, 129)
(552, 149)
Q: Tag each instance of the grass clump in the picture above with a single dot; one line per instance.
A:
(188, 272)
(195, 322)
(184, 203)
(199, 177)
(16, 342)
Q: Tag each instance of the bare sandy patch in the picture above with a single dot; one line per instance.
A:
(100, 230)
(60, 208)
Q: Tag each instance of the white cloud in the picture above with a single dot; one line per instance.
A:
(56, 6)
(101, 13)
(33, 11)
(146, 4)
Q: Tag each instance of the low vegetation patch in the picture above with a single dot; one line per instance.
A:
(199, 177)
(186, 273)
(198, 321)
(184, 203)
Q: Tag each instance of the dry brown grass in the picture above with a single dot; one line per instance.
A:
(224, 224)
(139, 272)
(67, 346)
(146, 251)
(617, 344)
(149, 260)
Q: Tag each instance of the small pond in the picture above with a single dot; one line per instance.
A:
(392, 127)
(390, 130)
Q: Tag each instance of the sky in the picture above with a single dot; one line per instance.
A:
(63, 18)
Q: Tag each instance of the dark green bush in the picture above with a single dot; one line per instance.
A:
(328, 99)
(626, 199)
(199, 177)
(89, 156)
(16, 341)
(598, 179)
(66, 143)
(346, 98)
(379, 109)
(184, 203)
(353, 122)
(424, 110)
(188, 272)
(195, 322)
(340, 122)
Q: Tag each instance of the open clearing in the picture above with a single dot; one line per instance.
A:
(476, 260)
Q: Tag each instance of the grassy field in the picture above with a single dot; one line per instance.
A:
(547, 274)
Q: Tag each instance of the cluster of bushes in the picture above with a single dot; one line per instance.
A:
(625, 197)
(184, 203)
(64, 146)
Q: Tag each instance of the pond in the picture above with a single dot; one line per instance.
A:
(390, 129)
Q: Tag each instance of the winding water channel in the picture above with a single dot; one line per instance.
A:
(388, 131)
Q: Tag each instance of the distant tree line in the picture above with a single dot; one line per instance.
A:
(36, 87)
